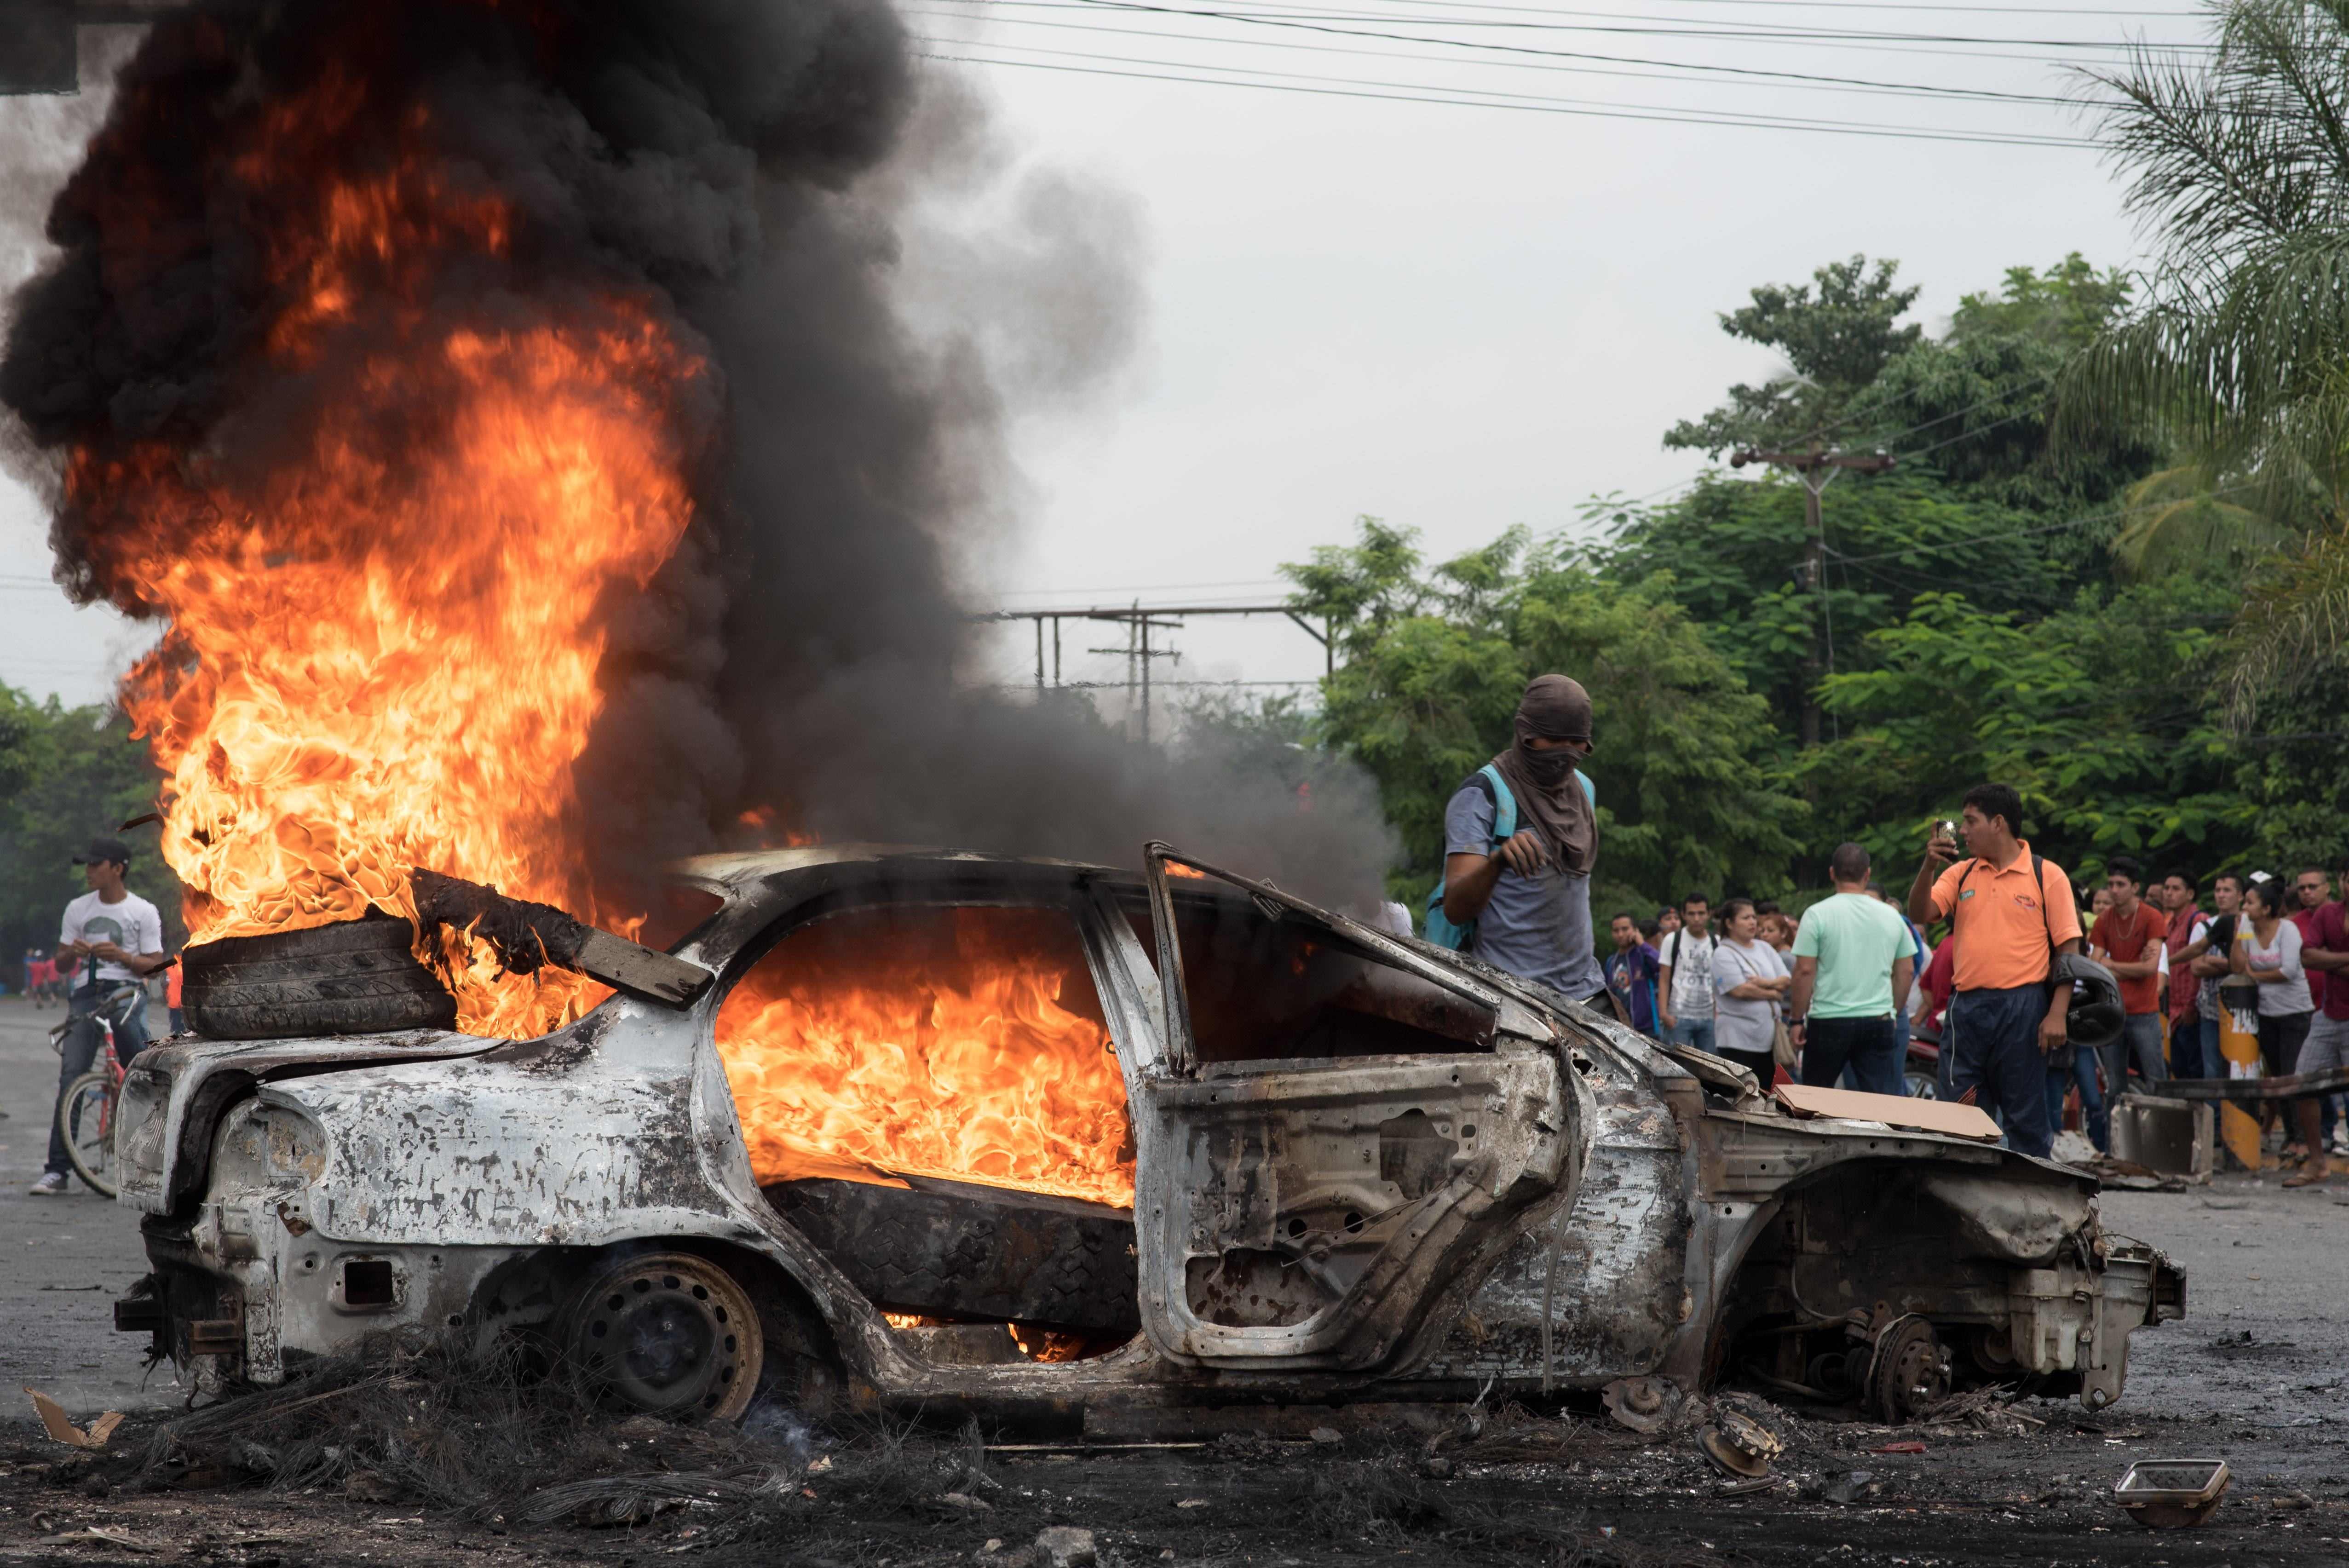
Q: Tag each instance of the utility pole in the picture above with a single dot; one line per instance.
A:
(1138, 653)
(1818, 468)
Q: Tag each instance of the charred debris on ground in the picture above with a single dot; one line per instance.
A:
(487, 1437)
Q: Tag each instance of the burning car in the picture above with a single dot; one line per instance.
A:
(1054, 1143)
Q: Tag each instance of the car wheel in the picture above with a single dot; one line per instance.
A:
(1911, 1372)
(669, 1334)
(353, 978)
(1923, 1085)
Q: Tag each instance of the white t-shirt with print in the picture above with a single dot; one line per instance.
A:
(1690, 958)
(131, 923)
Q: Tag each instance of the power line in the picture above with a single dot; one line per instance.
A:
(2080, 521)
(1760, 76)
(1968, 10)
(1478, 98)
(2121, 53)
(1752, 33)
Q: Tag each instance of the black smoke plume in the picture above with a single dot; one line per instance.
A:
(748, 165)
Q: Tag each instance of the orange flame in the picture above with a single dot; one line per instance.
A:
(383, 650)
(969, 1062)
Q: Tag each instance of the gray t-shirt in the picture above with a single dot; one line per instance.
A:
(1537, 926)
(1740, 1025)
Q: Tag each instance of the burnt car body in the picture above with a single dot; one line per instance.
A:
(1365, 1170)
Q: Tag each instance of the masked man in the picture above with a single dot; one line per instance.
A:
(1529, 894)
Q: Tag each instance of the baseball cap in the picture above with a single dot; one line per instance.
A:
(113, 849)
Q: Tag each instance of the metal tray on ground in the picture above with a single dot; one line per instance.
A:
(2168, 1494)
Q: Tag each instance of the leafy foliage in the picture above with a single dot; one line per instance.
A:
(2239, 161)
(1436, 658)
(1727, 553)
(2091, 712)
(1836, 341)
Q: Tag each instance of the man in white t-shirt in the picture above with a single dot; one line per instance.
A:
(119, 936)
(1684, 977)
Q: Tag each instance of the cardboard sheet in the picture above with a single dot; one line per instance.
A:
(53, 1417)
(1892, 1110)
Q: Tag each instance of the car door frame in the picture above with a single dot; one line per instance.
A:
(1442, 1236)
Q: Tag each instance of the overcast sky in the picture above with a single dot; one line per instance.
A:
(1458, 318)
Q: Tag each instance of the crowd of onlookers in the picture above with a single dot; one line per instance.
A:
(1843, 995)
(2250, 950)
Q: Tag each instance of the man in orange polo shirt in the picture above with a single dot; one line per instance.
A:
(2009, 916)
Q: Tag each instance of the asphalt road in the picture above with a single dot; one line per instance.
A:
(66, 1258)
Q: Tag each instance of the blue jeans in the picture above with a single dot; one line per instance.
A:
(2214, 1062)
(2083, 1071)
(81, 1049)
(1697, 1032)
(1991, 1049)
(1867, 1045)
(2140, 1038)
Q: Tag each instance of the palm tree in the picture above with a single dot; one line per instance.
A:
(2236, 160)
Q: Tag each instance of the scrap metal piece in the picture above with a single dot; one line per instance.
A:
(526, 935)
(1641, 1404)
(2171, 1494)
(1739, 1444)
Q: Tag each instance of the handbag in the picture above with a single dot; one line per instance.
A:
(1781, 1045)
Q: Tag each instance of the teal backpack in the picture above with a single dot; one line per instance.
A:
(1440, 928)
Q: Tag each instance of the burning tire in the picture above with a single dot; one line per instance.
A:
(975, 1252)
(666, 1333)
(354, 978)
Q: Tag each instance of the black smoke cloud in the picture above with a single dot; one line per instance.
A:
(753, 167)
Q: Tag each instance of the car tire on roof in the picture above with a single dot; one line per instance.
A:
(960, 1250)
(352, 977)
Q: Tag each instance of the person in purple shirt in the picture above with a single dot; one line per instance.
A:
(1631, 972)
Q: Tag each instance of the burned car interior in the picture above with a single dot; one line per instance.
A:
(936, 1132)
(1263, 989)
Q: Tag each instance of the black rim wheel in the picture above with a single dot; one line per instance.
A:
(668, 1333)
(1912, 1374)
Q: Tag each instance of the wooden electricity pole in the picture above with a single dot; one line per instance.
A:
(1818, 467)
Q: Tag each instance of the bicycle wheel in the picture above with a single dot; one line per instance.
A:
(86, 1119)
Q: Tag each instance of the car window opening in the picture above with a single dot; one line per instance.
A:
(1267, 990)
(957, 1042)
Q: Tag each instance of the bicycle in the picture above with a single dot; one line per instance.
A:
(86, 1110)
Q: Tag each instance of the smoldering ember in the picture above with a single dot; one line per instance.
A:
(617, 1020)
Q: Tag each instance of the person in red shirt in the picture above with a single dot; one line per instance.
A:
(2324, 954)
(2126, 939)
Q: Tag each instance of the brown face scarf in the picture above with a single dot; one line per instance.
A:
(1550, 801)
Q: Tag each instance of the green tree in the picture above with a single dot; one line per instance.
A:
(1836, 341)
(1974, 406)
(2095, 713)
(1728, 550)
(1434, 659)
(1979, 498)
